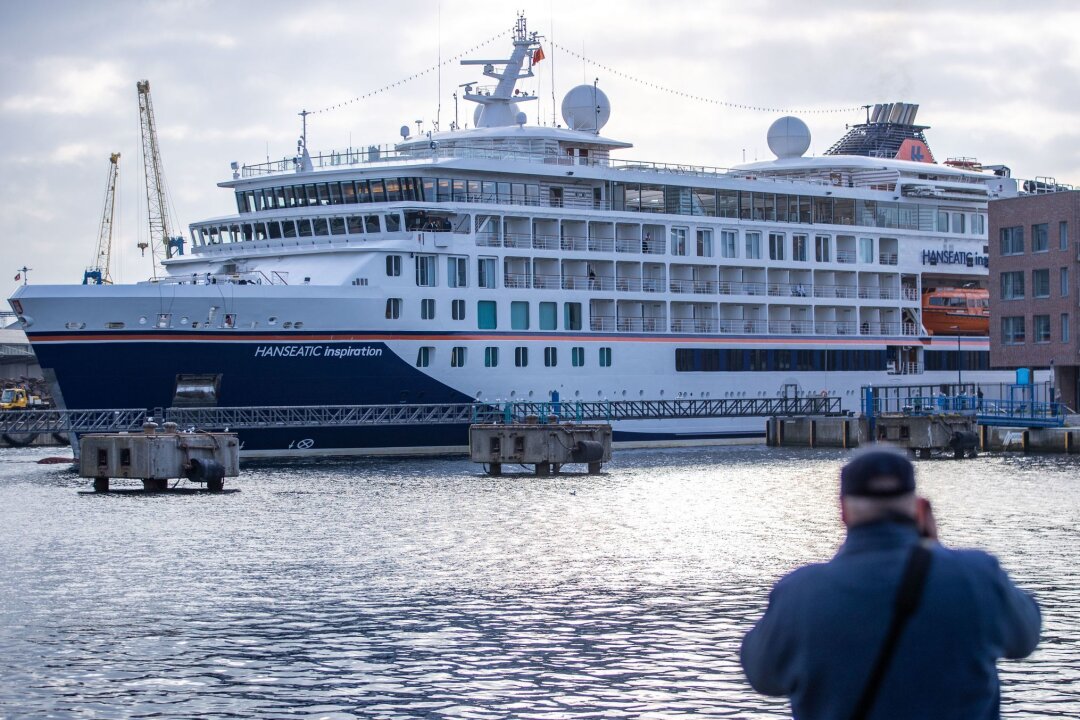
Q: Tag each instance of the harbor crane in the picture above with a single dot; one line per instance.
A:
(99, 271)
(162, 241)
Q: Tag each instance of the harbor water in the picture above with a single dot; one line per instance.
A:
(421, 588)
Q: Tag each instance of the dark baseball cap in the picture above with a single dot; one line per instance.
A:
(878, 473)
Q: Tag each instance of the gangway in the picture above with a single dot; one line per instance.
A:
(919, 400)
(23, 422)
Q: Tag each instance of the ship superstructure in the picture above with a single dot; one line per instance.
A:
(514, 261)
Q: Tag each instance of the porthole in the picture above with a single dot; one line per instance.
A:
(142, 320)
(272, 320)
(184, 320)
(513, 393)
(577, 393)
(75, 325)
(298, 325)
(286, 325)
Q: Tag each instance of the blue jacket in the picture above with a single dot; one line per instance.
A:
(826, 623)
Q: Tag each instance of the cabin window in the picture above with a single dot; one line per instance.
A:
(577, 356)
(393, 308)
(551, 357)
(605, 357)
(457, 309)
(821, 248)
(798, 247)
(549, 312)
(485, 272)
(491, 357)
(393, 265)
(942, 221)
(457, 272)
(678, 241)
(704, 242)
(486, 315)
(521, 357)
(425, 271)
(776, 246)
(572, 316)
(519, 315)
(457, 357)
(427, 309)
(729, 243)
(866, 250)
(753, 246)
(423, 356)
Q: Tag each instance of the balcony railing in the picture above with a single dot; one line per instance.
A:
(693, 325)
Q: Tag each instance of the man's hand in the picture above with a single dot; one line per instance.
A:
(924, 518)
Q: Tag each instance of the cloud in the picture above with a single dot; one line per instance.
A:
(71, 153)
(70, 86)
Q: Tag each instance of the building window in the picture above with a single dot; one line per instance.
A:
(1040, 283)
(457, 272)
(491, 357)
(798, 247)
(521, 357)
(572, 316)
(1064, 327)
(821, 248)
(1012, 330)
(605, 357)
(486, 315)
(1040, 238)
(393, 265)
(457, 309)
(728, 240)
(1063, 235)
(704, 243)
(427, 309)
(549, 313)
(1012, 285)
(393, 308)
(1012, 240)
(577, 356)
(776, 246)
(678, 241)
(519, 315)
(485, 272)
(551, 357)
(1041, 324)
(423, 356)
(753, 246)
(866, 250)
(425, 271)
(1064, 281)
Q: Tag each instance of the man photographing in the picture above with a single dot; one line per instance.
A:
(895, 625)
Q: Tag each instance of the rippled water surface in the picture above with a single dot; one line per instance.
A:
(421, 588)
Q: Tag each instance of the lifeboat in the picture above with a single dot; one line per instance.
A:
(956, 311)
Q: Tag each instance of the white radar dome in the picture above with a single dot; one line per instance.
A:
(789, 137)
(586, 107)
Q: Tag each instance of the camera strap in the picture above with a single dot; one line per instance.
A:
(907, 601)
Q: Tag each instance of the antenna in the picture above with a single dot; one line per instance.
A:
(438, 108)
(867, 109)
(553, 48)
(303, 126)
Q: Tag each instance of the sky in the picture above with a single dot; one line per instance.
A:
(995, 80)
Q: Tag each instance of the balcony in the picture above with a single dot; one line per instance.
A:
(693, 325)
(699, 287)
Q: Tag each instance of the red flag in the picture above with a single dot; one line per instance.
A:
(18, 277)
(538, 55)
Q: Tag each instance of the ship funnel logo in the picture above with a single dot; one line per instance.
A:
(915, 151)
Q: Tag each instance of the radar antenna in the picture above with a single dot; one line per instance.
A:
(99, 271)
(499, 107)
(162, 241)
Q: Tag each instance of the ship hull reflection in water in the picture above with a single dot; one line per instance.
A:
(421, 588)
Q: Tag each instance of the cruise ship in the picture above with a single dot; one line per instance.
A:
(512, 261)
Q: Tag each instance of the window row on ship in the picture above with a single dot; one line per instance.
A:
(623, 197)
(648, 316)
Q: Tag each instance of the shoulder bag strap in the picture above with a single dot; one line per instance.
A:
(907, 601)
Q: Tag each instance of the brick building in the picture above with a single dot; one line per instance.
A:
(1035, 285)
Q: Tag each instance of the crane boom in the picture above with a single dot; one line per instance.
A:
(99, 271)
(161, 241)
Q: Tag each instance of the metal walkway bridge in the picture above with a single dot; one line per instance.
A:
(1023, 412)
(29, 422)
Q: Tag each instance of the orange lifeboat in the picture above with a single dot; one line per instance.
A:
(956, 311)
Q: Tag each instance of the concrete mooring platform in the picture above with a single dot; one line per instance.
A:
(547, 447)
